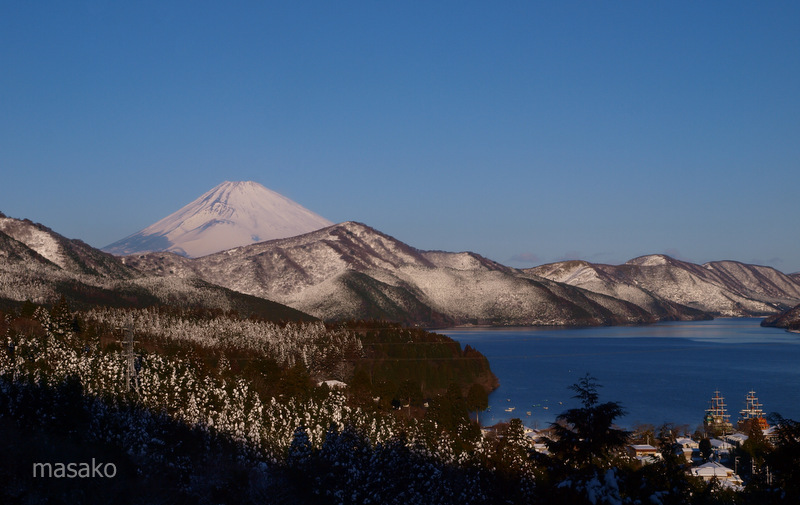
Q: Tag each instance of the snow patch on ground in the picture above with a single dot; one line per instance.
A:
(650, 261)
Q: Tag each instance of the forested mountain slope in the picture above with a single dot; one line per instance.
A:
(789, 319)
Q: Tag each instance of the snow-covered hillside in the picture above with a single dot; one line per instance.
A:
(725, 288)
(39, 265)
(74, 257)
(232, 214)
(44, 243)
(350, 270)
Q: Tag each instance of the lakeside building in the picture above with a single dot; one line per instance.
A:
(637, 451)
(687, 447)
(645, 454)
(721, 447)
(687, 443)
(714, 470)
(736, 439)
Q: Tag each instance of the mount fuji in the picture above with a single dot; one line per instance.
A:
(232, 214)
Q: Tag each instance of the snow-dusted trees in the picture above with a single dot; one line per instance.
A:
(324, 352)
(214, 372)
(225, 408)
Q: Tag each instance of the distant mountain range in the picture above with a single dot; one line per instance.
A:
(722, 288)
(230, 215)
(350, 270)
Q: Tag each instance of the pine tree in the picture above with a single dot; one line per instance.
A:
(706, 450)
(586, 435)
(61, 323)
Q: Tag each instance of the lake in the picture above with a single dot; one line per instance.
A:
(666, 372)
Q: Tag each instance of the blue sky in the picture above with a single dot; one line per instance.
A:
(528, 132)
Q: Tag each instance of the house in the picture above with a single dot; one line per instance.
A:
(646, 454)
(687, 447)
(736, 439)
(714, 470)
(721, 447)
(636, 451)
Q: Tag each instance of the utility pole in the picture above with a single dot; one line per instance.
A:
(130, 366)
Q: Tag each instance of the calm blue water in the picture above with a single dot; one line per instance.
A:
(665, 372)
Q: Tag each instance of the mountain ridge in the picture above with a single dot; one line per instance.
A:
(40, 265)
(349, 269)
(723, 288)
(352, 271)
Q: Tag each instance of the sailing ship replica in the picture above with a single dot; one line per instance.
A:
(752, 412)
(717, 419)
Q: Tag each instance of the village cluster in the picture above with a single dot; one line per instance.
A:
(717, 461)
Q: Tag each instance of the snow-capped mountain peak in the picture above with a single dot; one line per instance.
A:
(230, 215)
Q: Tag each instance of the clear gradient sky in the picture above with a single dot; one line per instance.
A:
(528, 132)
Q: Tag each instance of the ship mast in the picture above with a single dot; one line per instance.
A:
(753, 411)
(717, 417)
